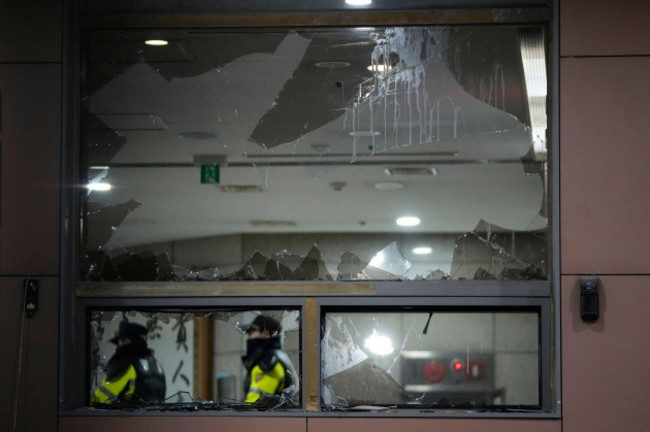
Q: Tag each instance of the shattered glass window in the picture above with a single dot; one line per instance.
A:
(430, 360)
(194, 360)
(315, 154)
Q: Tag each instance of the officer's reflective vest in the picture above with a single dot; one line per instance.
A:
(142, 381)
(270, 371)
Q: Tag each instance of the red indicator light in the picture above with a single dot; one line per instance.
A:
(458, 365)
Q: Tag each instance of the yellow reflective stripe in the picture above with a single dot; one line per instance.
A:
(109, 391)
(263, 383)
(106, 395)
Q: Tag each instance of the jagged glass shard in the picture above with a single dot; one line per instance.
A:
(288, 259)
(102, 221)
(351, 266)
(388, 263)
(312, 267)
(435, 275)
(127, 266)
(254, 269)
(492, 252)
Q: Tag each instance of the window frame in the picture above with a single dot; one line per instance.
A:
(77, 297)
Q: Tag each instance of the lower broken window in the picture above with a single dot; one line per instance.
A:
(220, 359)
(430, 359)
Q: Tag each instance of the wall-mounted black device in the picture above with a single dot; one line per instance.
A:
(31, 297)
(589, 310)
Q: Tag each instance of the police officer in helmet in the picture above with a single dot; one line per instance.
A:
(270, 375)
(133, 374)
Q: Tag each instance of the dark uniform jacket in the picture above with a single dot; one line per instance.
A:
(133, 374)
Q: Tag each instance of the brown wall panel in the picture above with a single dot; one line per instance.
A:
(438, 425)
(37, 390)
(176, 424)
(30, 134)
(605, 154)
(605, 378)
(604, 27)
(30, 31)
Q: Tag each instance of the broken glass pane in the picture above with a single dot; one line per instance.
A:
(430, 359)
(208, 359)
(291, 154)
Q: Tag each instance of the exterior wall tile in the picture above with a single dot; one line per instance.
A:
(38, 377)
(438, 425)
(605, 380)
(605, 154)
(175, 424)
(604, 27)
(30, 31)
(30, 131)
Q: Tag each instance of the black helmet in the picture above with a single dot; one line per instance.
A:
(264, 323)
(132, 331)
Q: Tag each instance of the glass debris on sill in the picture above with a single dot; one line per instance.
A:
(177, 338)
(488, 252)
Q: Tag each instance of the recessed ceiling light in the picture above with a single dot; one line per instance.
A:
(422, 250)
(410, 171)
(377, 68)
(102, 187)
(358, 2)
(389, 186)
(156, 42)
(408, 221)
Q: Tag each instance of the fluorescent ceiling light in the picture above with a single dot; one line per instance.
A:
(389, 186)
(358, 2)
(156, 42)
(378, 344)
(422, 250)
(99, 186)
(408, 221)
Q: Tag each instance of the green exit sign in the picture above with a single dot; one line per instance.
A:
(210, 173)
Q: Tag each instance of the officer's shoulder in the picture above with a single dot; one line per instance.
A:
(268, 361)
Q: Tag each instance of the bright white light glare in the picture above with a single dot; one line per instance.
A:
(378, 344)
(358, 2)
(377, 68)
(377, 260)
(408, 221)
(99, 186)
(422, 250)
(156, 42)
